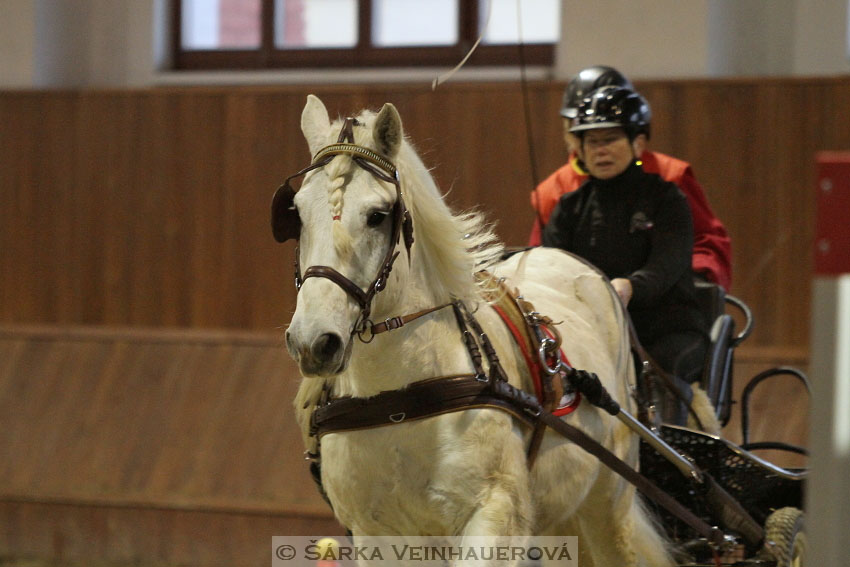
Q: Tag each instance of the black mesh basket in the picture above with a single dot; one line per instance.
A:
(759, 486)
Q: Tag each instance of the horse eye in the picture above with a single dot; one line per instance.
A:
(376, 218)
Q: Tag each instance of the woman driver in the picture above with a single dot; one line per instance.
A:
(637, 229)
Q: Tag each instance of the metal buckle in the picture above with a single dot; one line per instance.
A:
(532, 412)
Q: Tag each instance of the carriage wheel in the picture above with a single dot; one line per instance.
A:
(785, 537)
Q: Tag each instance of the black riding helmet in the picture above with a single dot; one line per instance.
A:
(613, 107)
(587, 81)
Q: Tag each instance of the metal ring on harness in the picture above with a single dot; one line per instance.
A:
(546, 345)
(361, 326)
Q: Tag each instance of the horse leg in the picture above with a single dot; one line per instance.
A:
(617, 530)
(574, 527)
(504, 510)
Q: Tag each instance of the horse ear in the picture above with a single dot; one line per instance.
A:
(315, 123)
(387, 131)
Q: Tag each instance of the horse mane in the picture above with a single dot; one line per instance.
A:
(448, 247)
(451, 246)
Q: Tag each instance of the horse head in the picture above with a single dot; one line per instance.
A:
(349, 218)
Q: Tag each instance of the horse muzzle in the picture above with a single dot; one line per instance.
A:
(325, 355)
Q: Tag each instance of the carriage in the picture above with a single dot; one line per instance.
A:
(501, 393)
(772, 496)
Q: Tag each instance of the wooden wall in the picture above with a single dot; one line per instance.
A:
(150, 207)
(144, 214)
(144, 445)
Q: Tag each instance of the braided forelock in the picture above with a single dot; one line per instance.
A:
(336, 170)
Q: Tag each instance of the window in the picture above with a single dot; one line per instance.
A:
(255, 34)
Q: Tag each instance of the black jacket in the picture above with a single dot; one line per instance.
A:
(639, 227)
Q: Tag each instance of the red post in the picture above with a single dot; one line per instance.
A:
(832, 230)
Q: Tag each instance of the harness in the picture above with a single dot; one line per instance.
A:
(484, 388)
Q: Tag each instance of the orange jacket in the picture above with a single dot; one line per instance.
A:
(712, 256)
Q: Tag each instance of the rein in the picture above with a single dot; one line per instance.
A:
(442, 395)
(438, 396)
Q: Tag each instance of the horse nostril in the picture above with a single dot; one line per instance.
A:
(326, 346)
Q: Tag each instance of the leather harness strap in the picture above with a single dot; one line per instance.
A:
(427, 398)
(438, 396)
(648, 488)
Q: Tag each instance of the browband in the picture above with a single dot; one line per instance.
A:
(356, 151)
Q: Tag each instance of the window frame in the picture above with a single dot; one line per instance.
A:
(268, 56)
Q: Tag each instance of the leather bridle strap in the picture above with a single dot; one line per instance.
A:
(384, 170)
(392, 323)
(361, 297)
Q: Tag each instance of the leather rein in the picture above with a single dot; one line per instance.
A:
(438, 396)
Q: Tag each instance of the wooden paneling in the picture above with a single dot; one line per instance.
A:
(176, 419)
(150, 207)
(69, 534)
(142, 446)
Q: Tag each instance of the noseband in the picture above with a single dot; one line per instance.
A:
(286, 224)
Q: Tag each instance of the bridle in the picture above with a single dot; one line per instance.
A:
(286, 224)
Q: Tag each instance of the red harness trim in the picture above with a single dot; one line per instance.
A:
(534, 365)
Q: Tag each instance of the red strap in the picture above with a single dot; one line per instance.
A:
(533, 364)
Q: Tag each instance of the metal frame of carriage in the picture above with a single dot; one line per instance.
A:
(771, 496)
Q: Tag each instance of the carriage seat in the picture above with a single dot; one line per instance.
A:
(716, 378)
(711, 298)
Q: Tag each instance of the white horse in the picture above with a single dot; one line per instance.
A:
(461, 473)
